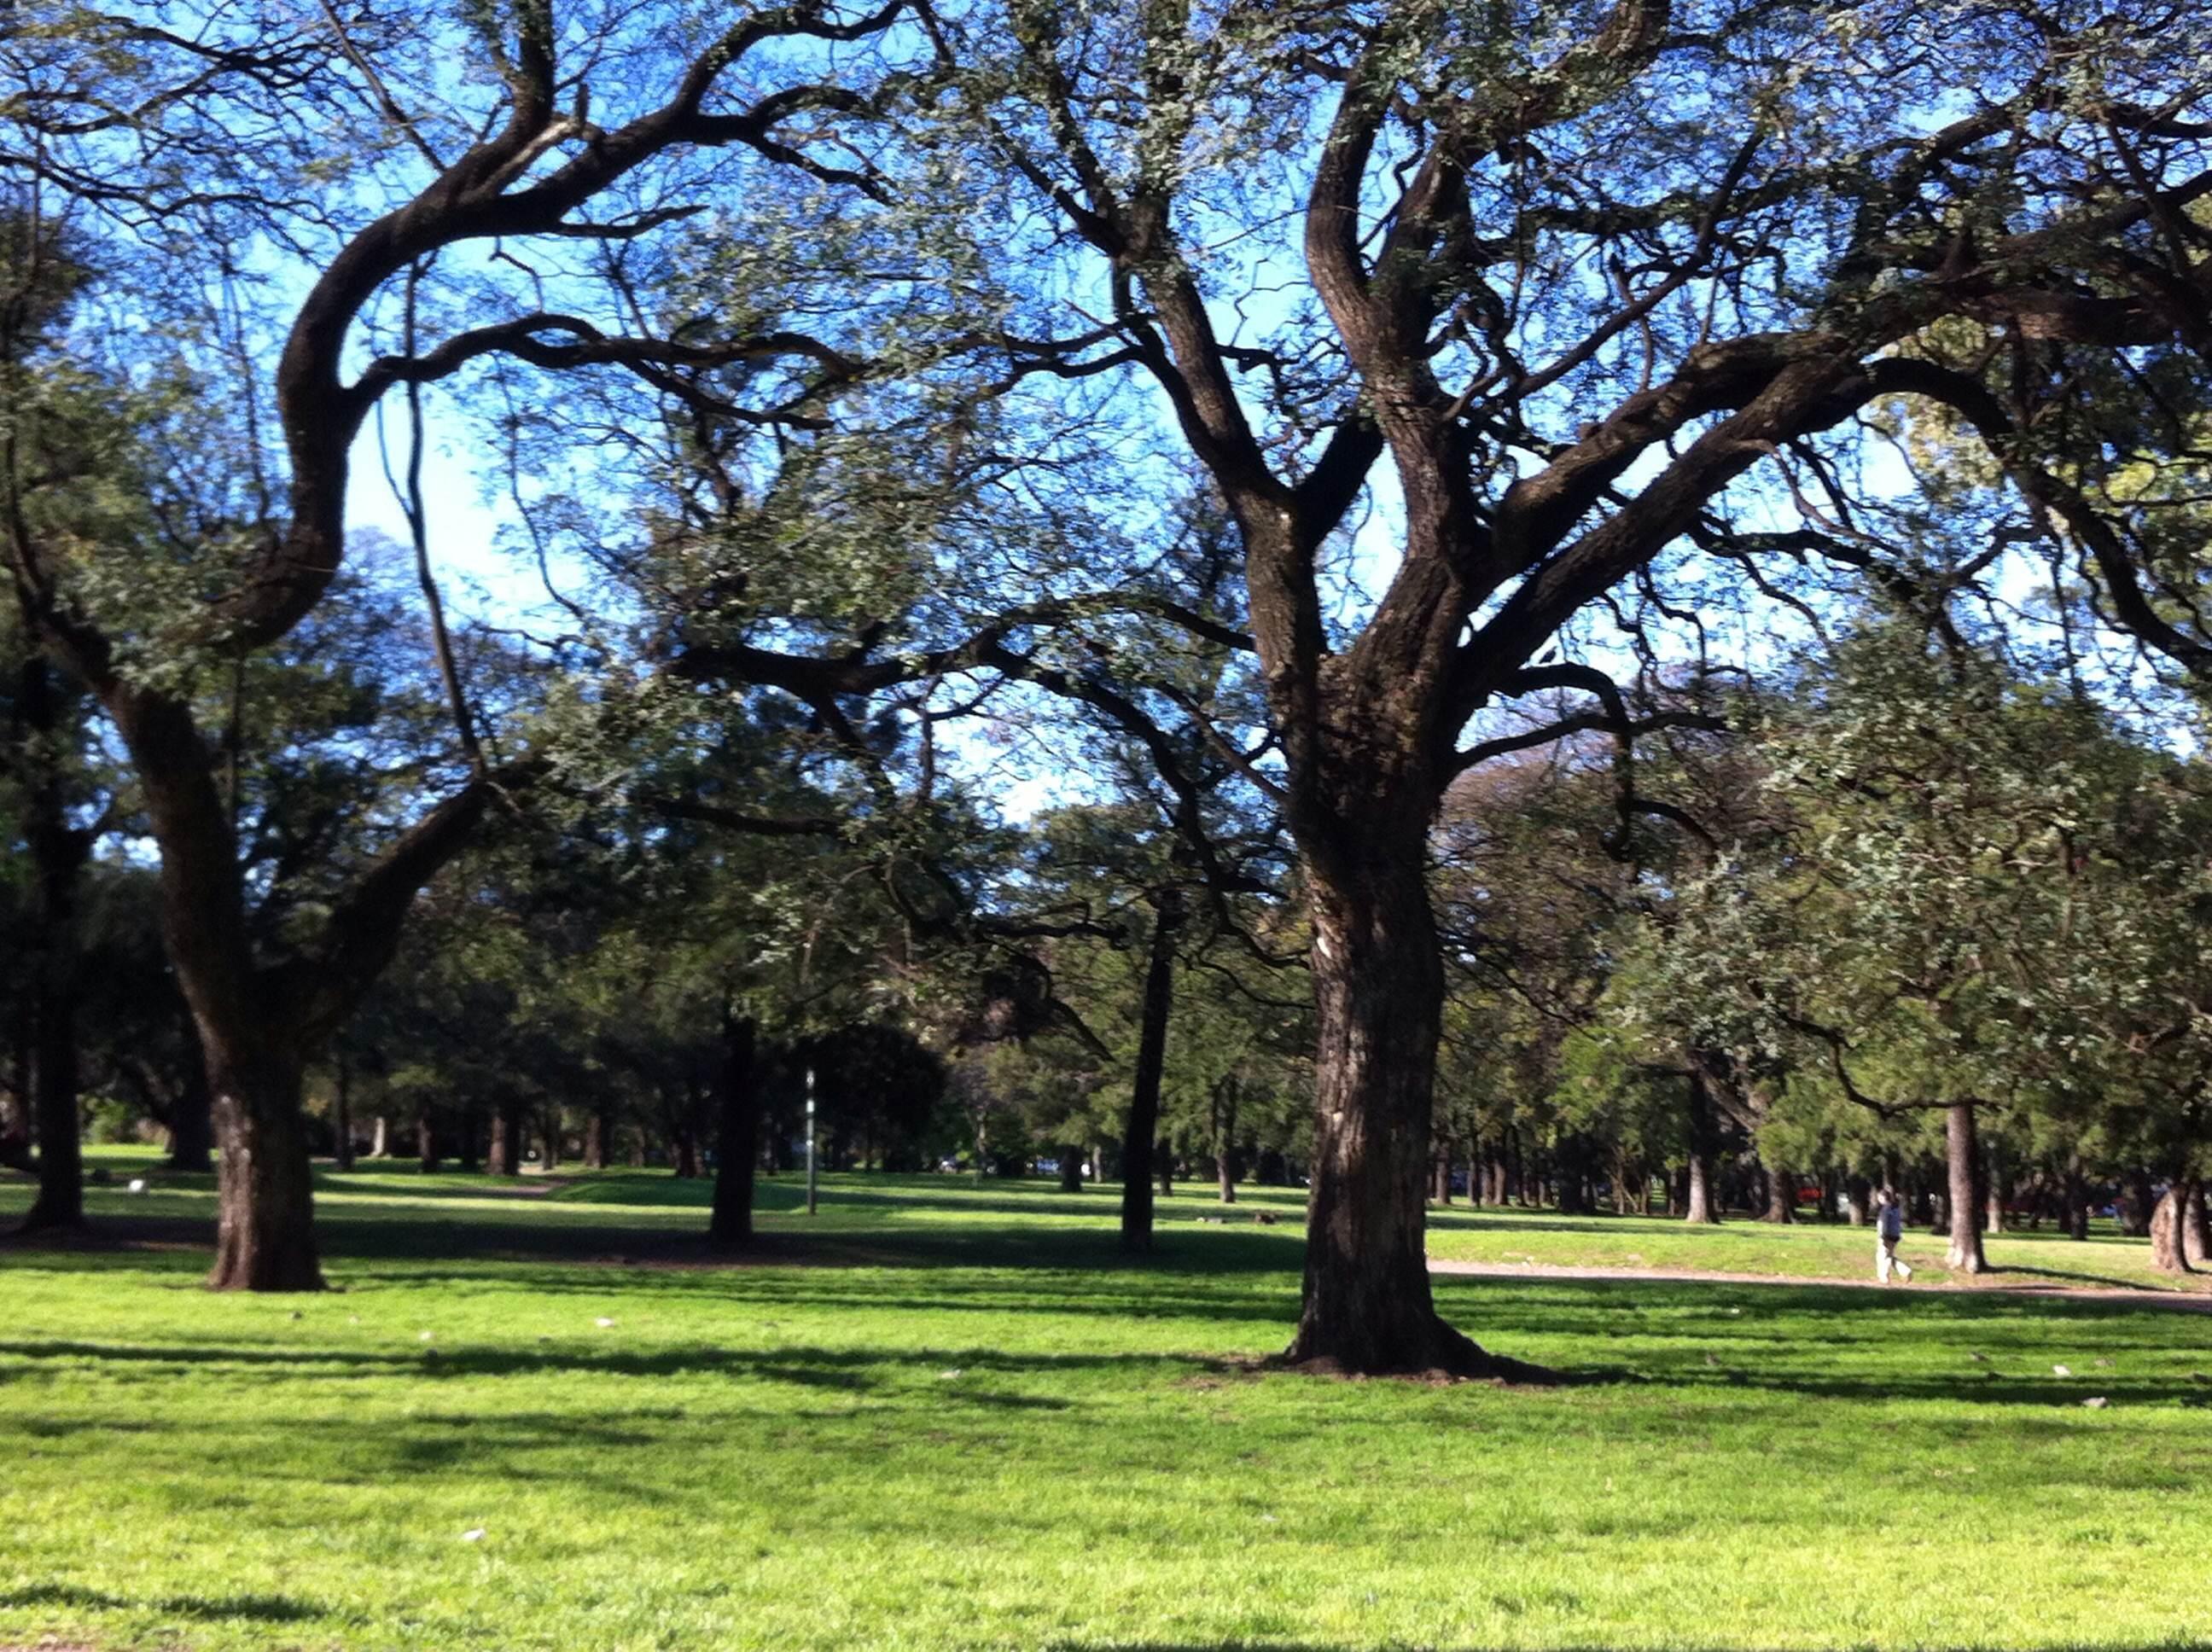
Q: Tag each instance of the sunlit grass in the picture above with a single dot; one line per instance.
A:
(973, 1426)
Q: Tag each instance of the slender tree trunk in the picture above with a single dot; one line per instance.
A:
(426, 1141)
(1138, 1138)
(1071, 1169)
(1378, 995)
(471, 1160)
(1700, 1206)
(341, 1114)
(505, 1156)
(380, 1145)
(1855, 1197)
(595, 1139)
(58, 853)
(549, 1136)
(60, 1199)
(265, 1224)
(1228, 1168)
(737, 1136)
(1963, 1170)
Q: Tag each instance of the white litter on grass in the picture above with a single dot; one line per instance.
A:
(2097, 1404)
(476, 1535)
(2061, 1370)
(604, 1324)
(137, 1184)
(946, 1377)
(427, 1336)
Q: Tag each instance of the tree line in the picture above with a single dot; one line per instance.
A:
(1286, 422)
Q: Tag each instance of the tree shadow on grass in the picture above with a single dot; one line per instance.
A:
(260, 1608)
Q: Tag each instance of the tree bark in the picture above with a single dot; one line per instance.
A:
(505, 1156)
(596, 1133)
(380, 1145)
(1138, 1136)
(1700, 1208)
(2136, 1199)
(58, 853)
(1857, 1195)
(265, 1224)
(1781, 1195)
(2074, 1193)
(1963, 1172)
(426, 1140)
(341, 1110)
(737, 1140)
(1071, 1169)
(1378, 993)
(1228, 1166)
(2169, 1227)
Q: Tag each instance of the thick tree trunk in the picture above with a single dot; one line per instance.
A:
(2074, 1195)
(736, 1142)
(1138, 1136)
(549, 1139)
(1378, 995)
(54, 1112)
(1781, 1195)
(464, 1141)
(1962, 1168)
(2169, 1228)
(2136, 1199)
(2195, 1226)
(1858, 1195)
(266, 1224)
(1071, 1169)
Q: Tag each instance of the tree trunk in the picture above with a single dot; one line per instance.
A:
(1962, 1168)
(1700, 1207)
(2135, 1201)
(341, 1115)
(54, 1112)
(549, 1136)
(736, 1141)
(426, 1141)
(1137, 1137)
(1228, 1168)
(1781, 1195)
(1856, 1196)
(2169, 1227)
(58, 853)
(380, 1145)
(505, 1156)
(1378, 997)
(266, 1200)
(2074, 1195)
(465, 1136)
(1071, 1169)
(595, 1139)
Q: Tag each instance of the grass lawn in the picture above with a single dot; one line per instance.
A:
(940, 1415)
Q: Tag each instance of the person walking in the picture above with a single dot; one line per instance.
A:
(1889, 1229)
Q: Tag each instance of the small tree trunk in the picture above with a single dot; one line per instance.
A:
(426, 1141)
(266, 1200)
(1137, 1138)
(1164, 1159)
(1856, 1196)
(549, 1136)
(341, 1114)
(2074, 1195)
(1700, 1205)
(1071, 1169)
(1227, 1162)
(1962, 1168)
(60, 1199)
(595, 1139)
(738, 1134)
(380, 1147)
(464, 1140)
(505, 1158)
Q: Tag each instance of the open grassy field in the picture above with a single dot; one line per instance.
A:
(942, 1416)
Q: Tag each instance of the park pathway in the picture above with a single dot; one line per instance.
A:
(2186, 1301)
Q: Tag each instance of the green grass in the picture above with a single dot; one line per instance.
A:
(968, 1426)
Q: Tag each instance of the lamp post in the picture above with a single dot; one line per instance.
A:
(809, 1141)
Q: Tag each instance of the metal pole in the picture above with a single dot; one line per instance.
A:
(809, 1141)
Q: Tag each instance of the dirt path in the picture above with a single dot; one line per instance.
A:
(2191, 1302)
